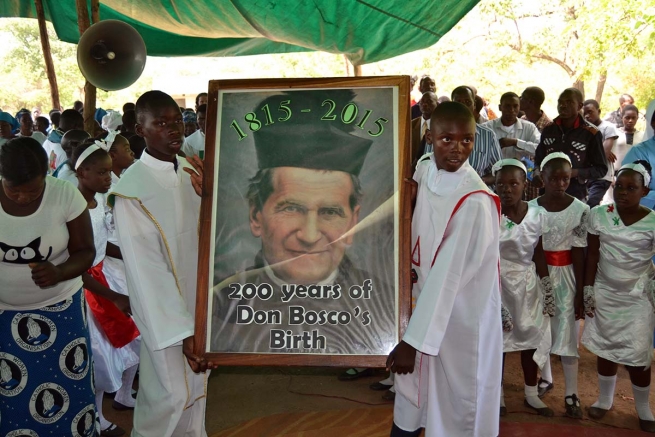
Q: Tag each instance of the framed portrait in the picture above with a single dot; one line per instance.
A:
(305, 222)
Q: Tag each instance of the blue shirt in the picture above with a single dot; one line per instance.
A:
(644, 151)
(486, 150)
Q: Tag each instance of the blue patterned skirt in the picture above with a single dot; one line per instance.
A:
(46, 372)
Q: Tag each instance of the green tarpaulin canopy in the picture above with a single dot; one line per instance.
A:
(364, 30)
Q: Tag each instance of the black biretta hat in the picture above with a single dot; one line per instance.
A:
(306, 141)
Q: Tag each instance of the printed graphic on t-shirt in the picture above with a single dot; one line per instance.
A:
(24, 254)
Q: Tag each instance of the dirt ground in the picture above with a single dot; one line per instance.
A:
(239, 394)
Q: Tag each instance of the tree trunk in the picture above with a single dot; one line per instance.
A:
(84, 23)
(600, 86)
(348, 64)
(358, 70)
(45, 46)
(579, 84)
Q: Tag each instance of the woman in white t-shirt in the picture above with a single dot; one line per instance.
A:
(46, 243)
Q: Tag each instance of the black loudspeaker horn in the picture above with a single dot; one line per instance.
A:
(111, 55)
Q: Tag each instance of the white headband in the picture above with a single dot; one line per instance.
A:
(504, 162)
(97, 145)
(639, 168)
(554, 155)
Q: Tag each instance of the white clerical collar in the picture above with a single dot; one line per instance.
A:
(442, 182)
(157, 164)
(279, 282)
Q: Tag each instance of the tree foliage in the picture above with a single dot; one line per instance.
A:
(25, 83)
(588, 39)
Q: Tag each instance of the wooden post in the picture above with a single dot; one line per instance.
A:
(600, 86)
(358, 70)
(84, 23)
(347, 64)
(45, 46)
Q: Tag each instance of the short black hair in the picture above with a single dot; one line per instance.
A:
(129, 118)
(72, 139)
(479, 104)
(462, 89)
(630, 108)
(70, 119)
(622, 99)
(43, 120)
(137, 144)
(56, 118)
(151, 100)
(202, 108)
(591, 102)
(199, 96)
(451, 111)
(77, 105)
(508, 95)
(129, 106)
(576, 92)
(535, 93)
(22, 160)
(77, 152)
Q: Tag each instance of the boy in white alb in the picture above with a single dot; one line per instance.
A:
(156, 211)
(453, 344)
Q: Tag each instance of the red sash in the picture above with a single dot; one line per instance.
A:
(558, 259)
(119, 328)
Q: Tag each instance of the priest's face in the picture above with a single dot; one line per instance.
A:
(303, 223)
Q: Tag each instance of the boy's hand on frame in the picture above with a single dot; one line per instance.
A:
(401, 359)
(197, 364)
(197, 175)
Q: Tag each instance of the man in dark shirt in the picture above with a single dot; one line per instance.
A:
(426, 84)
(571, 134)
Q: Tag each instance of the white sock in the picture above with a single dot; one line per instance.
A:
(641, 402)
(532, 397)
(124, 394)
(104, 423)
(606, 384)
(570, 367)
(547, 372)
(502, 396)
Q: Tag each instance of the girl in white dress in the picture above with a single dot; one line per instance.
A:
(122, 158)
(628, 137)
(618, 287)
(110, 325)
(564, 242)
(526, 289)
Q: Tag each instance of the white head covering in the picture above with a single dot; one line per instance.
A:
(639, 168)
(554, 155)
(97, 145)
(111, 121)
(505, 162)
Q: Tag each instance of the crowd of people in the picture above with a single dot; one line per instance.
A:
(531, 226)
